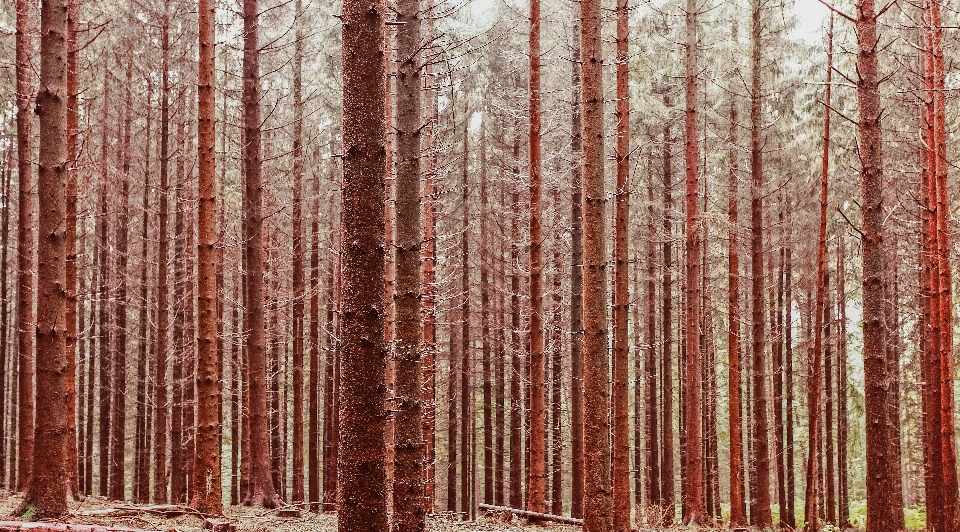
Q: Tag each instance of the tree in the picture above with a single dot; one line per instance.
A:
(73, 113)
(26, 250)
(206, 489)
(576, 276)
(47, 494)
(361, 500)
(598, 503)
(409, 513)
(298, 281)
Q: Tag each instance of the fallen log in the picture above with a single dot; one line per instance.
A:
(535, 516)
(162, 510)
(21, 526)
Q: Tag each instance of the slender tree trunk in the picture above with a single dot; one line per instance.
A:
(47, 494)
(4, 317)
(206, 486)
(790, 514)
(598, 503)
(485, 334)
(160, 380)
(330, 438)
(516, 401)
(409, 513)
(694, 510)
(141, 490)
(738, 505)
(236, 379)
(760, 515)
(466, 390)
(178, 448)
(778, 372)
(536, 500)
(361, 498)
(621, 291)
(298, 281)
(71, 451)
(881, 509)
(106, 330)
(26, 250)
(667, 473)
(576, 279)
(829, 429)
(556, 377)
(842, 433)
(651, 439)
(314, 444)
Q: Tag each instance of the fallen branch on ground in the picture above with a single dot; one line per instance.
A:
(535, 516)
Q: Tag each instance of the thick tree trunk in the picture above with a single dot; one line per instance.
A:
(881, 509)
(598, 503)
(47, 494)
(576, 279)
(361, 498)
(536, 501)
(621, 291)
(694, 510)
(409, 513)
(760, 514)
(206, 486)
(26, 250)
(261, 490)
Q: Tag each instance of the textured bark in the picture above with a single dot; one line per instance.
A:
(5, 178)
(760, 513)
(361, 476)
(790, 517)
(298, 281)
(236, 370)
(815, 378)
(409, 514)
(881, 509)
(778, 369)
(576, 279)
(598, 503)
(694, 509)
(88, 442)
(738, 504)
(829, 473)
(178, 437)
(160, 379)
(47, 494)
(536, 500)
(261, 490)
(556, 379)
(621, 290)
(206, 485)
(141, 483)
(26, 250)
(71, 243)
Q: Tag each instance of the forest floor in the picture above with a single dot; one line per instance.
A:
(249, 519)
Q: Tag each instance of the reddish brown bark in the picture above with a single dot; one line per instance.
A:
(842, 431)
(409, 514)
(361, 498)
(261, 490)
(105, 384)
(206, 487)
(598, 503)
(790, 514)
(621, 291)
(881, 509)
(298, 281)
(694, 509)
(651, 439)
(738, 504)
(815, 379)
(314, 444)
(536, 500)
(516, 401)
(141, 483)
(71, 260)
(667, 485)
(47, 494)
(576, 279)
(26, 250)
(466, 390)
(485, 332)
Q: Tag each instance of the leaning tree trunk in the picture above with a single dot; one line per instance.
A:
(206, 490)
(598, 503)
(361, 498)
(47, 494)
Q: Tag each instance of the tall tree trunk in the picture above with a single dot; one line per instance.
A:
(694, 510)
(842, 432)
(141, 489)
(361, 498)
(830, 509)
(881, 508)
(651, 439)
(738, 504)
(536, 500)
(516, 401)
(47, 494)
(485, 334)
(466, 390)
(598, 503)
(160, 379)
(71, 243)
(314, 443)
(178, 448)
(759, 515)
(790, 514)
(621, 290)
(26, 249)
(409, 513)
(556, 376)
(815, 378)
(261, 490)
(667, 485)
(298, 281)
(778, 371)
(206, 485)
(105, 383)
(576, 278)
(4, 317)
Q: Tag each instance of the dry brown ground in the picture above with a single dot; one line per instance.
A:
(257, 520)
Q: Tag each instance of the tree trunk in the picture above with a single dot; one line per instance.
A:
(466, 391)
(409, 513)
(141, 489)
(598, 503)
(298, 281)
(759, 515)
(206, 485)
(485, 332)
(361, 498)
(576, 278)
(26, 250)
(842, 433)
(314, 444)
(652, 459)
(667, 486)
(105, 383)
(516, 401)
(790, 514)
(621, 291)
(47, 495)
(71, 243)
